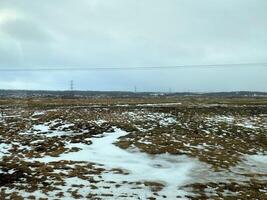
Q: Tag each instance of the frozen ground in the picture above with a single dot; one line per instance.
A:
(132, 154)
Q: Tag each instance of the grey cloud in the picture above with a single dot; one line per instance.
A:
(26, 31)
(138, 33)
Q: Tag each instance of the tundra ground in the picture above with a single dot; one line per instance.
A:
(178, 148)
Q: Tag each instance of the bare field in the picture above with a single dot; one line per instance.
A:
(133, 148)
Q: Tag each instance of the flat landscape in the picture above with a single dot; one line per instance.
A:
(133, 148)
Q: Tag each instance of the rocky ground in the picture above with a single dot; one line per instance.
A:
(144, 151)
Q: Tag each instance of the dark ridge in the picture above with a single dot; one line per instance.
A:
(121, 94)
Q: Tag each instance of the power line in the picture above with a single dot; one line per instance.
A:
(135, 68)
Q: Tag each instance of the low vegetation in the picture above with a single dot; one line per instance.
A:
(226, 137)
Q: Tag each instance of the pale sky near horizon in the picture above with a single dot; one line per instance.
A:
(97, 33)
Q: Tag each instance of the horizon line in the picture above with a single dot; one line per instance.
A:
(129, 91)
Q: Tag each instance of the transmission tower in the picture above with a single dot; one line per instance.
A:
(71, 92)
(71, 85)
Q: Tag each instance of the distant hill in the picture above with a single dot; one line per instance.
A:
(99, 94)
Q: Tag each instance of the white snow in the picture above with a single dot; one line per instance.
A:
(221, 118)
(38, 113)
(159, 104)
(4, 149)
(247, 124)
(173, 171)
(46, 129)
(100, 122)
(259, 158)
(151, 119)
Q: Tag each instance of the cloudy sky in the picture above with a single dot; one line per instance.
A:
(133, 33)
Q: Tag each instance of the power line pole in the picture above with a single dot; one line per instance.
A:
(71, 85)
(71, 93)
(135, 89)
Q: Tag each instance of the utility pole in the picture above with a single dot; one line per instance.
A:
(135, 89)
(71, 85)
(71, 89)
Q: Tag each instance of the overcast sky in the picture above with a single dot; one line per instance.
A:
(103, 33)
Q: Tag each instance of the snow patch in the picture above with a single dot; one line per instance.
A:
(172, 171)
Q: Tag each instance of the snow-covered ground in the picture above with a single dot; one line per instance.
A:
(129, 173)
(172, 171)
